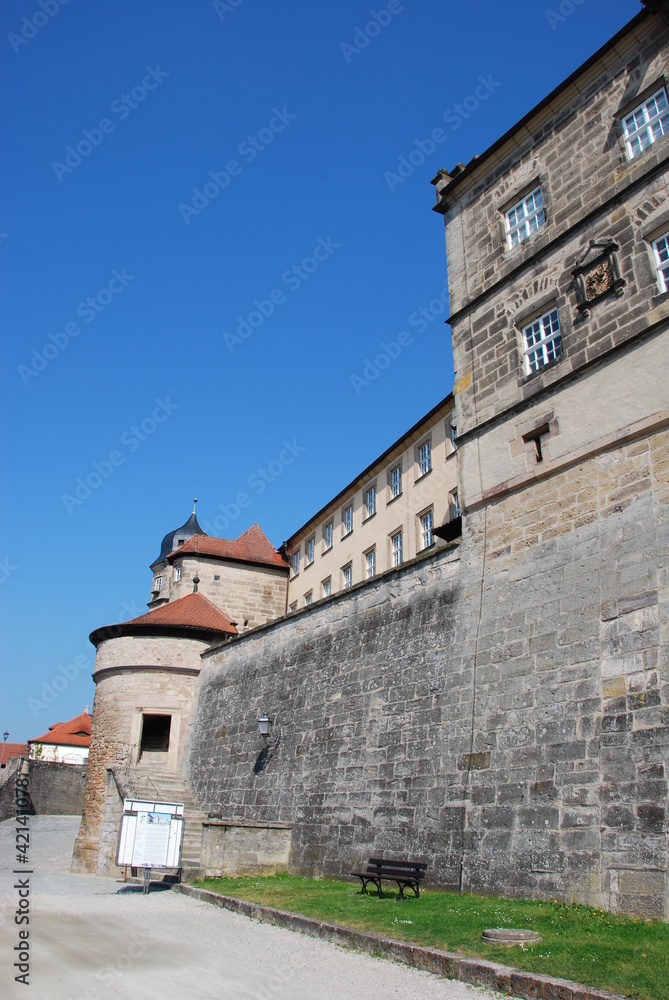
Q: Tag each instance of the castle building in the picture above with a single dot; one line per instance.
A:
(557, 245)
(494, 703)
(402, 504)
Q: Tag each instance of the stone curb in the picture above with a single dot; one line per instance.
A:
(475, 971)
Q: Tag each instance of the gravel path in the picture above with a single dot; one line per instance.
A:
(93, 938)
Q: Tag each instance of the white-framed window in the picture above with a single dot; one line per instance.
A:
(293, 607)
(346, 576)
(525, 218)
(370, 563)
(426, 536)
(347, 519)
(646, 124)
(396, 543)
(327, 536)
(295, 562)
(370, 500)
(424, 458)
(396, 480)
(661, 254)
(455, 504)
(177, 573)
(309, 552)
(326, 587)
(542, 341)
(453, 435)
(308, 597)
(158, 585)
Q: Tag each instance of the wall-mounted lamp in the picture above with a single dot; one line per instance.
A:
(5, 737)
(264, 725)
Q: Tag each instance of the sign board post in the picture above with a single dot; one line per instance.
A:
(150, 836)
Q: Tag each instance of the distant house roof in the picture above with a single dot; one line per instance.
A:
(75, 733)
(191, 615)
(13, 750)
(251, 547)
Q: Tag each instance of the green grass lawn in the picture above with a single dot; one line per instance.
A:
(589, 946)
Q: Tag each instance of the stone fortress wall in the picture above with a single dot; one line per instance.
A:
(510, 729)
(501, 709)
(498, 706)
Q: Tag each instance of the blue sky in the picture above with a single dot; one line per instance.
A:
(205, 238)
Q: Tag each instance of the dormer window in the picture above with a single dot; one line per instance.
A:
(158, 584)
(177, 573)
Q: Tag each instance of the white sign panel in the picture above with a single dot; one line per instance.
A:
(150, 834)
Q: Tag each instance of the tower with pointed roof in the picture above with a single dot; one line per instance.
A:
(204, 591)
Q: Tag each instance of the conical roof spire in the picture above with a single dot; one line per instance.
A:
(174, 539)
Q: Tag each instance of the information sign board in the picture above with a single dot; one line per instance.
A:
(151, 834)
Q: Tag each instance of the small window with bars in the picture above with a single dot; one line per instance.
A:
(542, 341)
(525, 218)
(646, 124)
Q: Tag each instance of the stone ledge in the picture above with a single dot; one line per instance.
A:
(475, 971)
(214, 821)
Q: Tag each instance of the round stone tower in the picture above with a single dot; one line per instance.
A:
(146, 673)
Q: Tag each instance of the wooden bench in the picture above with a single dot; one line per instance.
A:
(405, 873)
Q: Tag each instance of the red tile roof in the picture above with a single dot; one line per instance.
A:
(13, 750)
(75, 733)
(252, 547)
(193, 611)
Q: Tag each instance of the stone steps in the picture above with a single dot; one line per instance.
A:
(170, 787)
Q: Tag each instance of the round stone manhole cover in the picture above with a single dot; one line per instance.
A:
(508, 936)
